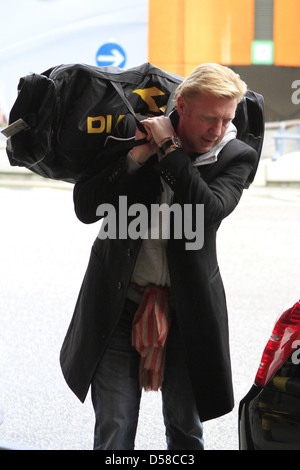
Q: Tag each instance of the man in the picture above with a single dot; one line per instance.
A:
(174, 294)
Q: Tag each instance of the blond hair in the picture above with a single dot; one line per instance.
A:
(213, 79)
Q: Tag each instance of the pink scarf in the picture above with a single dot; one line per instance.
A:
(149, 334)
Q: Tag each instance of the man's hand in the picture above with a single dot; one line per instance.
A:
(141, 153)
(158, 129)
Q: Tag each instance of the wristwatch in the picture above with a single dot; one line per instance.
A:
(174, 142)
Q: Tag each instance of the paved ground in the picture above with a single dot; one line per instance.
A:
(44, 250)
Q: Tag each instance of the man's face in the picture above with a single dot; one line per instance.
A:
(203, 121)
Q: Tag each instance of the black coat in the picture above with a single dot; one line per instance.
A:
(197, 288)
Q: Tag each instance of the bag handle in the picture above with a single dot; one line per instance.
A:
(118, 87)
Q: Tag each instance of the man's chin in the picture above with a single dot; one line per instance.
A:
(206, 145)
(205, 148)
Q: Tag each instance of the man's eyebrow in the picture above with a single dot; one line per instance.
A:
(213, 116)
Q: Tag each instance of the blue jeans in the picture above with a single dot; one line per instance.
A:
(116, 394)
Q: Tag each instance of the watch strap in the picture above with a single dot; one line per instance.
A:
(166, 145)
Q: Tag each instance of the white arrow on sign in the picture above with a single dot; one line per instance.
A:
(115, 58)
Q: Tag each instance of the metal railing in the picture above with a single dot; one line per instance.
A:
(283, 135)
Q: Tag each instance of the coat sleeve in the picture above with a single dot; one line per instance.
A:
(219, 196)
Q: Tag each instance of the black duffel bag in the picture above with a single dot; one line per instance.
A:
(62, 119)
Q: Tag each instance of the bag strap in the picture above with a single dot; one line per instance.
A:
(125, 145)
(170, 103)
(118, 87)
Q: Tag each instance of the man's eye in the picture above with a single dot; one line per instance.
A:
(206, 119)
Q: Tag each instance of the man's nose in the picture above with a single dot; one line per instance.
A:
(216, 128)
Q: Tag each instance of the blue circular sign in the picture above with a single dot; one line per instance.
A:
(111, 54)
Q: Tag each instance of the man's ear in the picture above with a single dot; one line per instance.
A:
(181, 105)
